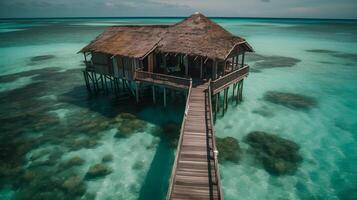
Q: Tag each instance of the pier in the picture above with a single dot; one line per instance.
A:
(195, 174)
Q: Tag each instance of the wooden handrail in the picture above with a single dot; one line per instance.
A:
(222, 82)
(215, 151)
(173, 173)
(146, 76)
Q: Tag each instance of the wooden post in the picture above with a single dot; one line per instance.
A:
(164, 97)
(93, 81)
(237, 62)
(111, 84)
(243, 59)
(234, 88)
(226, 103)
(216, 107)
(215, 66)
(123, 83)
(237, 98)
(85, 75)
(186, 65)
(233, 62)
(241, 92)
(153, 94)
(219, 102)
(201, 68)
(101, 80)
(105, 84)
(137, 92)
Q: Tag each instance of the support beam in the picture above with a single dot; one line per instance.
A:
(164, 97)
(237, 63)
(224, 101)
(186, 64)
(241, 92)
(214, 70)
(101, 80)
(219, 102)
(85, 57)
(137, 92)
(93, 81)
(243, 59)
(153, 94)
(226, 98)
(85, 75)
(216, 107)
(205, 60)
(105, 83)
(233, 62)
(201, 68)
(234, 88)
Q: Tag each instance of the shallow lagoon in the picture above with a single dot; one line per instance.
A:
(47, 117)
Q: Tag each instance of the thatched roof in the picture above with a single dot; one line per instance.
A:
(195, 36)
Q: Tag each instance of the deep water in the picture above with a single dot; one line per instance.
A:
(302, 87)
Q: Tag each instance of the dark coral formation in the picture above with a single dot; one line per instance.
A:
(28, 112)
(294, 101)
(263, 111)
(98, 170)
(228, 149)
(107, 158)
(171, 132)
(262, 61)
(278, 156)
(277, 61)
(42, 58)
(337, 54)
(129, 124)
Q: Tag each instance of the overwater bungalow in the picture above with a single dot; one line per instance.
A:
(196, 57)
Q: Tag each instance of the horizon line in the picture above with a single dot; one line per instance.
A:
(216, 17)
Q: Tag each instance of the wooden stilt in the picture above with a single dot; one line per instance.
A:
(153, 94)
(85, 75)
(106, 85)
(227, 98)
(237, 98)
(111, 84)
(219, 102)
(216, 107)
(93, 82)
(137, 92)
(241, 91)
(164, 97)
(116, 82)
(101, 80)
(224, 102)
(96, 81)
(201, 68)
(234, 88)
(123, 84)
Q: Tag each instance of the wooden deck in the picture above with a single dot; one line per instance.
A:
(229, 79)
(162, 79)
(195, 173)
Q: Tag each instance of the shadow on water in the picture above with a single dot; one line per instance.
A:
(157, 179)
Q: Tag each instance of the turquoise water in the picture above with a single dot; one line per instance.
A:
(47, 117)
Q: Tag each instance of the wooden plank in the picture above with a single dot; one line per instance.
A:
(192, 177)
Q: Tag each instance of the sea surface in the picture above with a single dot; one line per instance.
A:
(52, 132)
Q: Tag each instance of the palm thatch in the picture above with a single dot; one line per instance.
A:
(194, 36)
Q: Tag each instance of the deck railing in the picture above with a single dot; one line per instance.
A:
(162, 79)
(224, 81)
(173, 173)
(215, 151)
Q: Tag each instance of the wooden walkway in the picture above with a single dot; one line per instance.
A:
(195, 173)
